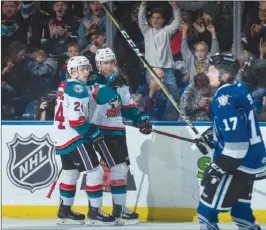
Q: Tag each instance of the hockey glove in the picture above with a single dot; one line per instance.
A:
(212, 175)
(115, 80)
(95, 134)
(143, 123)
(205, 141)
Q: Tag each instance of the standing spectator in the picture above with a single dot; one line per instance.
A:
(195, 101)
(60, 30)
(197, 63)
(157, 47)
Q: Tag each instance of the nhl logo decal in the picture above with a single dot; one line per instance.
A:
(31, 163)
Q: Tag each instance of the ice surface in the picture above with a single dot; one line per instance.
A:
(17, 224)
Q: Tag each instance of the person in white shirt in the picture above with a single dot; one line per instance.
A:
(157, 47)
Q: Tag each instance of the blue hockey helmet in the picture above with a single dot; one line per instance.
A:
(225, 62)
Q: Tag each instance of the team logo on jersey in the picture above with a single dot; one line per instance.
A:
(223, 100)
(115, 102)
(78, 89)
(31, 163)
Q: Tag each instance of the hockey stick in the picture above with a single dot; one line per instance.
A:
(174, 136)
(145, 63)
(54, 184)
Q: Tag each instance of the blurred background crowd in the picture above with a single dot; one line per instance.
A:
(177, 38)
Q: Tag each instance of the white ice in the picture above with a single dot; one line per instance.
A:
(19, 224)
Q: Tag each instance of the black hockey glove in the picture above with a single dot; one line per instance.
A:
(143, 123)
(115, 80)
(95, 134)
(205, 141)
(212, 175)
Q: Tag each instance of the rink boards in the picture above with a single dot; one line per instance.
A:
(163, 182)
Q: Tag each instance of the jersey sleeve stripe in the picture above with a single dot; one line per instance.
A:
(78, 122)
(237, 150)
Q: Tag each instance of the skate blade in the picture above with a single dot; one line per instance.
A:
(131, 222)
(70, 222)
(91, 222)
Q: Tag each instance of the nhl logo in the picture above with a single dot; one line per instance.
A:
(31, 163)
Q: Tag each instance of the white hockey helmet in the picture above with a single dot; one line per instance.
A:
(105, 54)
(77, 61)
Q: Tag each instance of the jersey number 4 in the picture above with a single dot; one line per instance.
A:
(59, 116)
(255, 138)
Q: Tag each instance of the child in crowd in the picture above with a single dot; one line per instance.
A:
(72, 50)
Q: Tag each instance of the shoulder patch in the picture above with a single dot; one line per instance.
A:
(223, 100)
(78, 89)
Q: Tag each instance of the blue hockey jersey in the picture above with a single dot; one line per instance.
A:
(236, 128)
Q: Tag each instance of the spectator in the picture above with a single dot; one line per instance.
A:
(212, 15)
(139, 101)
(42, 71)
(255, 32)
(197, 62)
(262, 115)
(20, 24)
(262, 46)
(97, 38)
(195, 101)
(95, 18)
(154, 98)
(72, 50)
(15, 74)
(157, 47)
(60, 30)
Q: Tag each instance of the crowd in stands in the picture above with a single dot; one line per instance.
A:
(176, 37)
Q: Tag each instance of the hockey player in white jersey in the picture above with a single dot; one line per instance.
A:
(74, 136)
(239, 151)
(108, 113)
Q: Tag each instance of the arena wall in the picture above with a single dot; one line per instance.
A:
(163, 182)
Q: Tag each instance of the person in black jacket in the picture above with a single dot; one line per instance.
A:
(21, 24)
(60, 30)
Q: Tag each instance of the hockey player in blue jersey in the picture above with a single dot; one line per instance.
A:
(74, 136)
(239, 152)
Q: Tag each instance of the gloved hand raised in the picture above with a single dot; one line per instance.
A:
(115, 80)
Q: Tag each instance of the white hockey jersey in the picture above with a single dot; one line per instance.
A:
(108, 106)
(71, 116)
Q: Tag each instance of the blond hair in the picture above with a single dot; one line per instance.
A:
(203, 44)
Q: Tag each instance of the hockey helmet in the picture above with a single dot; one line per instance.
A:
(105, 54)
(77, 61)
(225, 62)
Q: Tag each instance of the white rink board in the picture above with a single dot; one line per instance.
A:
(164, 170)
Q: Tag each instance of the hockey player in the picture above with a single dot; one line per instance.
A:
(239, 152)
(109, 117)
(74, 136)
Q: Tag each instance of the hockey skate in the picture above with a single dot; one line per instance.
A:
(124, 216)
(67, 216)
(129, 216)
(96, 217)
